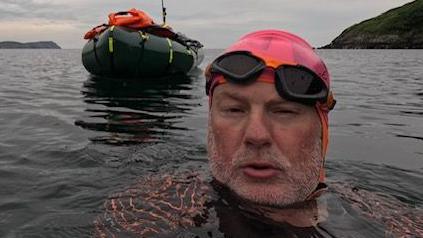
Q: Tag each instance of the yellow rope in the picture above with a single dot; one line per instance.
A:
(170, 50)
(111, 40)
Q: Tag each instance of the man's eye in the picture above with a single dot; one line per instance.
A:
(234, 110)
(284, 111)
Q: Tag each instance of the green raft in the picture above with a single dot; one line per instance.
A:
(124, 52)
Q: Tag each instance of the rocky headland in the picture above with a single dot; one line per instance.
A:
(398, 28)
(29, 45)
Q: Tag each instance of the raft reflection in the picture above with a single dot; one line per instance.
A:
(132, 112)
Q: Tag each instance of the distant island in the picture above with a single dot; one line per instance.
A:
(29, 45)
(398, 28)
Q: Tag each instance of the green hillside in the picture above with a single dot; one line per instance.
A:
(399, 28)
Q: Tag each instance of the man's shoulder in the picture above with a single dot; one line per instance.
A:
(397, 217)
(155, 204)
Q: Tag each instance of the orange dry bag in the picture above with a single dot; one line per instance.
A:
(133, 18)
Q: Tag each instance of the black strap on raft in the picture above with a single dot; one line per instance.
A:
(144, 38)
(164, 14)
(97, 60)
(191, 43)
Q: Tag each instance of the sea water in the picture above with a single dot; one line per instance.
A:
(68, 140)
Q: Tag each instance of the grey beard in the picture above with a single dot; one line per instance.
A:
(303, 183)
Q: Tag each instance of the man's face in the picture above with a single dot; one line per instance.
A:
(266, 149)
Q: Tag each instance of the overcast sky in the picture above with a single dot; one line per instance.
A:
(215, 23)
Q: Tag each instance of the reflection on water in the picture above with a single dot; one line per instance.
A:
(135, 111)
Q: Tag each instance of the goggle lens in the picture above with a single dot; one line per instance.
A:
(300, 81)
(238, 64)
(239, 67)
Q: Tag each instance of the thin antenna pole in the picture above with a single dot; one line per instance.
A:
(164, 13)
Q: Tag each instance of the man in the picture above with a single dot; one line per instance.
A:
(269, 98)
(268, 125)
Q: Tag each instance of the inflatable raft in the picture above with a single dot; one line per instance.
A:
(131, 45)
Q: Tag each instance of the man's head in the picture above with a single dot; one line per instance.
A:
(268, 118)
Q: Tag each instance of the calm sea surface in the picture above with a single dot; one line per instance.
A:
(68, 141)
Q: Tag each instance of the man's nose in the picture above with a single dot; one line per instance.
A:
(257, 132)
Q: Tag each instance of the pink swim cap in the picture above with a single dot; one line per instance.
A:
(283, 47)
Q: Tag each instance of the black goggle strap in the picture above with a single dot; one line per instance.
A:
(330, 102)
(209, 77)
(210, 85)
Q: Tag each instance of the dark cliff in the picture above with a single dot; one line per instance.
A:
(398, 28)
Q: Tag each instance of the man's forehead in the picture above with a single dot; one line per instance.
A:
(258, 89)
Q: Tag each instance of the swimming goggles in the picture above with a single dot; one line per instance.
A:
(292, 81)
